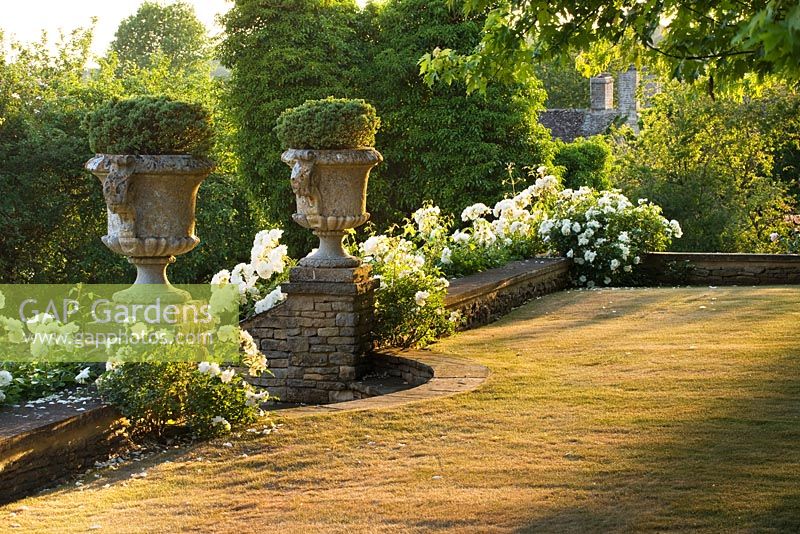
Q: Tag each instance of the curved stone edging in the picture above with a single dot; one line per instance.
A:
(450, 377)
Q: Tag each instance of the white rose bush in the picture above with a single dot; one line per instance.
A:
(409, 303)
(605, 234)
(209, 398)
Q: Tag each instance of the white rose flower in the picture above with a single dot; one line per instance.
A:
(421, 297)
(576, 227)
(227, 375)
(589, 255)
(264, 269)
(5, 378)
(204, 367)
(615, 264)
(570, 253)
(627, 268)
(636, 260)
(81, 377)
(460, 237)
(273, 298)
(607, 280)
(446, 256)
(471, 213)
(221, 278)
(677, 231)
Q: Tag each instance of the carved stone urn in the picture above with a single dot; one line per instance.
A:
(331, 191)
(151, 206)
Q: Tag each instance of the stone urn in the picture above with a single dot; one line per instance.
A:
(151, 206)
(331, 191)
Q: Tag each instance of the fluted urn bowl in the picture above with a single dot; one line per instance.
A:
(330, 187)
(150, 201)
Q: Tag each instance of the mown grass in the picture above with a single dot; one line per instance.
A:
(614, 410)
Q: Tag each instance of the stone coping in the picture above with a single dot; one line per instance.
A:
(725, 257)
(464, 289)
(451, 376)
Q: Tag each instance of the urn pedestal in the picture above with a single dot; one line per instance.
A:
(330, 187)
(151, 216)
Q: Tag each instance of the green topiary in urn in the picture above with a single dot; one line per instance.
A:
(329, 148)
(150, 126)
(328, 124)
(151, 161)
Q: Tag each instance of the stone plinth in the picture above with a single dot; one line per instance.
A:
(318, 339)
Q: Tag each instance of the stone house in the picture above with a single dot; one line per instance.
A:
(567, 124)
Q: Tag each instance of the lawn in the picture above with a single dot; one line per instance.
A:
(613, 410)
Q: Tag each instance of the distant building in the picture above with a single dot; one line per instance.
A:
(567, 124)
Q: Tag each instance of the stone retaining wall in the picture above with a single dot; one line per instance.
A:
(37, 455)
(702, 268)
(393, 364)
(483, 297)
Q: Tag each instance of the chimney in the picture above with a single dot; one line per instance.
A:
(601, 92)
(628, 86)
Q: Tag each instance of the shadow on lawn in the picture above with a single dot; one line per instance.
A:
(736, 469)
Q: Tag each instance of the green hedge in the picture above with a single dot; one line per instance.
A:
(586, 162)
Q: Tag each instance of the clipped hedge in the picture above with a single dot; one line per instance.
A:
(586, 162)
(438, 143)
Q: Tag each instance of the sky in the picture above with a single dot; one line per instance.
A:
(25, 19)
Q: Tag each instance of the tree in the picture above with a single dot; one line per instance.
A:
(722, 167)
(440, 144)
(283, 52)
(52, 212)
(172, 30)
(716, 39)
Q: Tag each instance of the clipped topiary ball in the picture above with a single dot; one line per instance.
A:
(149, 126)
(328, 124)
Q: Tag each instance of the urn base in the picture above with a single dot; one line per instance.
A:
(151, 284)
(331, 253)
